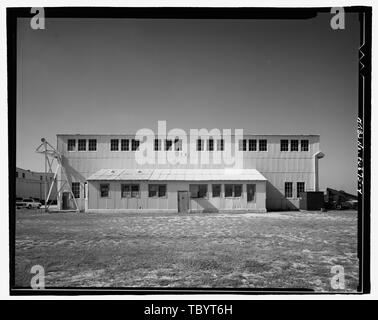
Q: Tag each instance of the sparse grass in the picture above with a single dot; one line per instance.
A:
(272, 250)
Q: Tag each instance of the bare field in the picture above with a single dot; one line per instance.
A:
(269, 250)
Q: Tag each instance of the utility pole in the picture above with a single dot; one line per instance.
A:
(45, 145)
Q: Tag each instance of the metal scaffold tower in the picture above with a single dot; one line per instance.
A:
(52, 155)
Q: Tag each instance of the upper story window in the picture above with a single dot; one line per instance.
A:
(114, 145)
(200, 145)
(294, 145)
(71, 144)
(252, 145)
(92, 145)
(263, 145)
(125, 145)
(243, 145)
(82, 144)
(210, 144)
(134, 144)
(157, 145)
(178, 145)
(304, 145)
(220, 145)
(284, 145)
(168, 145)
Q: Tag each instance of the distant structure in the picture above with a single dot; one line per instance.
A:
(103, 174)
(30, 184)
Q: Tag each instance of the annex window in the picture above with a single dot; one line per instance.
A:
(104, 190)
(134, 145)
(288, 189)
(23, 175)
(251, 191)
(71, 144)
(220, 145)
(178, 145)
(294, 145)
(168, 145)
(263, 145)
(200, 145)
(252, 145)
(198, 190)
(130, 190)
(82, 145)
(210, 145)
(92, 145)
(300, 188)
(304, 145)
(125, 144)
(233, 190)
(157, 190)
(76, 189)
(114, 145)
(157, 145)
(243, 145)
(216, 189)
(284, 145)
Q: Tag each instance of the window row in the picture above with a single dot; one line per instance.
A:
(133, 190)
(289, 189)
(293, 145)
(230, 191)
(176, 145)
(82, 145)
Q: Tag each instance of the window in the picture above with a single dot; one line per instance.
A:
(129, 190)
(263, 146)
(304, 145)
(104, 190)
(300, 188)
(135, 191)
(252, 145)
(40, 178)
(71, 144)
(157, 190)
(198, 190)
(243, 145)
(125, 145)
(23, 175)
(125, 191)
(92, 145)
(178, 145)
(16, 174)
(294, 145)
(251, 190)
(114, 144)
(288, 189)
(168, 145)
(233, 190)
(157, 144)
(76, 189)
(216, 188)
(210, 145)
(284, 145)
(200, 146)
(82, 144)
(134, 145)
(220, 145)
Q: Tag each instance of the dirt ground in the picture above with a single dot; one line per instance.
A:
(228, 250)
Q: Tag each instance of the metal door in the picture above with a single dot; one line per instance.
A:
(183, 201)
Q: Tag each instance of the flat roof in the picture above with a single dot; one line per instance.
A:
(177, 175)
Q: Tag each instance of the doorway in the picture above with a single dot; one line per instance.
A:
(65, 200)
(183, 201)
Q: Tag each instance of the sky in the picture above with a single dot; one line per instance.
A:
(105, 76)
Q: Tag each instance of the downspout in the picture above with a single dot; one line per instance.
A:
(317, 156)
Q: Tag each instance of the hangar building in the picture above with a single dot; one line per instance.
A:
(104, 174)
